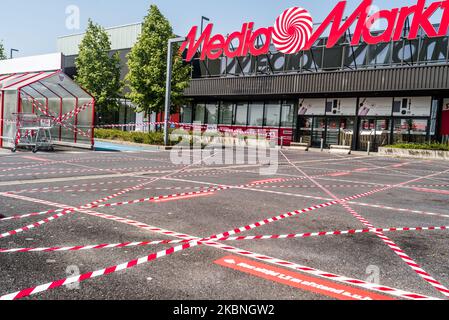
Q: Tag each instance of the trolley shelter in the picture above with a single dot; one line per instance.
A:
(48, 93)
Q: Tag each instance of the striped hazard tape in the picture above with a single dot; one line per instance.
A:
(98, 273)
(321, 274)
(393, 246)
(241, 238)
(98, 205)
(396, 249)
(62, 212)
(90, 275)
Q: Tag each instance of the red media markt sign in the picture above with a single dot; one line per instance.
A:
(293, 30)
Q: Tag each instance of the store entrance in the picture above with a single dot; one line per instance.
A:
(340, 131)
(329, 130)
(374, 132)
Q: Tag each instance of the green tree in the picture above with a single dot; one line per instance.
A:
(148, 66)
(2, 51)
(99, 72)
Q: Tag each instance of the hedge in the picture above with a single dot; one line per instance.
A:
(421, 146)
(151, 138)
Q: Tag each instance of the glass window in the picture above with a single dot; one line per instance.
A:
(288, 115)
(256, 114)
(226, 110)
(273, 114)
(186, 114)
(410, 130)
(241, 114)
(200, 112)
(212, 113)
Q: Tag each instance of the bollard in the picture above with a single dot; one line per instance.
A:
(369, 148)
(322, 144)
(282, 143)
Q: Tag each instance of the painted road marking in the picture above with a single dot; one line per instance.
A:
(431, 190)
(297, 280)
(182, 197)
(35, 158)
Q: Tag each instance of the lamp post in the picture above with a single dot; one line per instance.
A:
(171, 42)
(203, 18)
(11, 52)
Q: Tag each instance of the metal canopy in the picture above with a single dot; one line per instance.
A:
(49, 93)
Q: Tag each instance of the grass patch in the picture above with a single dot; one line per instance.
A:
(421, 146)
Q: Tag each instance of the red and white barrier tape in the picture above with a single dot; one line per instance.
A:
(92, 206)
(393, 246)
(67, 188)
(291, 214)
(93, 247)
(62, 213)
(396, 249)
(90, 275)
(76, 111)
(258, 237)
(355, 282)
(399, 209)
(321, 274)
(68, 126)
(330, 233)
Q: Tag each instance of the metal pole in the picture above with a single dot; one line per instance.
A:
(168, 85)
(11, 52)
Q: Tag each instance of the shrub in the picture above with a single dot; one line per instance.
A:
(153, 138)
(421, 146)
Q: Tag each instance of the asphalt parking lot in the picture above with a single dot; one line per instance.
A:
(98, 225)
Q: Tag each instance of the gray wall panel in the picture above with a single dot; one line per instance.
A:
(422, 78)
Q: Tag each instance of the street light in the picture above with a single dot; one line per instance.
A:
(171, 42)
(11, 52)
(203, 18)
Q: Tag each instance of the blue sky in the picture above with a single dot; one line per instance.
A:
(33, 26)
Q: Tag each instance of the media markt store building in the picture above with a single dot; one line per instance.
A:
(351, 87)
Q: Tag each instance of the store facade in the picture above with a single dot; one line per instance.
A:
(346, 93)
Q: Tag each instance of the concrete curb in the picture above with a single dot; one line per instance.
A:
(411, 153)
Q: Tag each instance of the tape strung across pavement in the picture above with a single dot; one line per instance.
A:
(93, 247)
(393, 246)
(329, 233)
(321, 274)
(258, 237)
(96, 204)
(90, 275)
(133, 263)
(354, 282)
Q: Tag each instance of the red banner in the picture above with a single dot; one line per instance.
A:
(445, 121)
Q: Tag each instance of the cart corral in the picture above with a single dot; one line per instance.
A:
(38, 109)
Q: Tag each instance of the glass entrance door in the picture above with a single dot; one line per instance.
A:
(304, 132)
(376, 132)
(340, 131)
(319, 129)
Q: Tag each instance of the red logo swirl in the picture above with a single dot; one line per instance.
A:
(292, 30)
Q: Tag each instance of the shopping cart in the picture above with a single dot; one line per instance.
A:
(33, 132)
